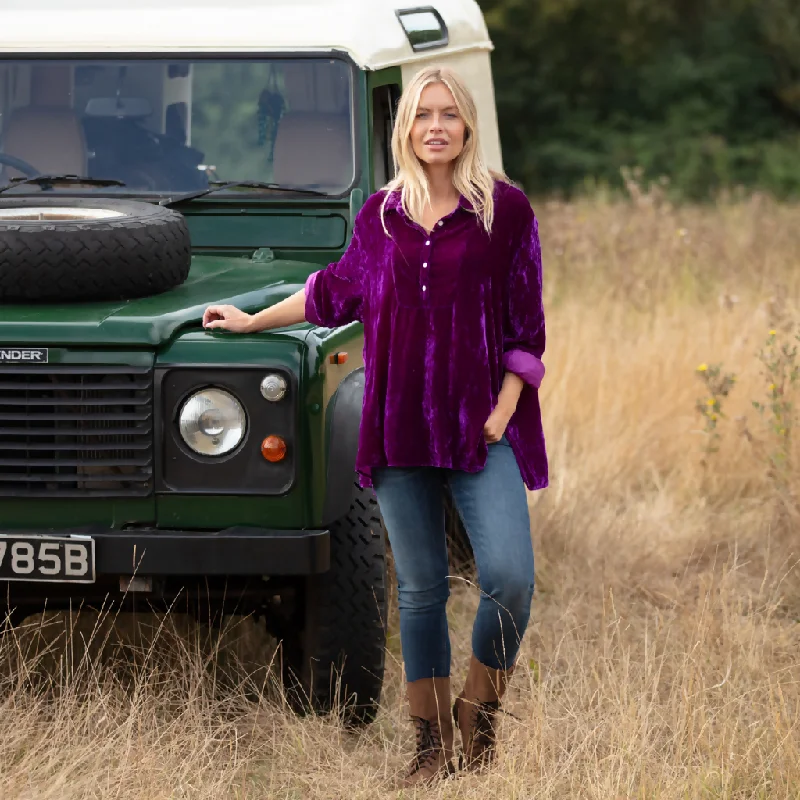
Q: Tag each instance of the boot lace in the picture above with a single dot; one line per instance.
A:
(482, 726)
(429, 744)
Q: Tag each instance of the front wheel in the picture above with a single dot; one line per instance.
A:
(334, 658)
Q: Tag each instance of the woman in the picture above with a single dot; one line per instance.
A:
(444, 269)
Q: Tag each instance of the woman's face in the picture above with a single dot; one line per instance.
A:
(437, 134)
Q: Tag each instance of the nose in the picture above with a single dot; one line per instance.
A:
(436, 124)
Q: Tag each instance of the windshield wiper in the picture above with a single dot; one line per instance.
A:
(218, 186)
(46, 182)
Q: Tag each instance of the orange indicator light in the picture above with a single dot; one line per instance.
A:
(273, 448)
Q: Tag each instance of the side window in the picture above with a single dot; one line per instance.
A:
(424, 27)
(384, 108)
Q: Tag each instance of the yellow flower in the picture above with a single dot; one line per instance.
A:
(702, 368)
(711, 401)
(772, 332)
(714, 417)
(772, 387)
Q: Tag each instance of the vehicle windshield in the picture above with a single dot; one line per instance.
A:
(163, 126)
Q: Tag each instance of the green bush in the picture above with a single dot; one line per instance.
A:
(704, 92)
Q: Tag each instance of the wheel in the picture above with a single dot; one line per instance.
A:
(333, 657)
(62, 249)
(12, 618)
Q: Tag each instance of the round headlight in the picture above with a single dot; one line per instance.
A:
(212, 422)
(273, 387)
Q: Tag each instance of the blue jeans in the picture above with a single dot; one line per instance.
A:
(494, 509)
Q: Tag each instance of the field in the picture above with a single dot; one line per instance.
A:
(663, 658)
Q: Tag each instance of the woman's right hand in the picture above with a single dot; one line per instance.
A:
(227, 318)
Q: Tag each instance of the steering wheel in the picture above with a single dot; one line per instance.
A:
(19, 164)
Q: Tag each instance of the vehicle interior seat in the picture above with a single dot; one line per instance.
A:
(313, 142)
(314, 150)
(47, 133)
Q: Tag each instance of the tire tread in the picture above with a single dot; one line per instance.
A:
(343, 653)
(144, 253)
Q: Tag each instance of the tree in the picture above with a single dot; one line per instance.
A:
(705, 92)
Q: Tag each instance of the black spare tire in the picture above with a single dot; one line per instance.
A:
(68, 249)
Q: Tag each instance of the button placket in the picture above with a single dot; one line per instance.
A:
(425, 264)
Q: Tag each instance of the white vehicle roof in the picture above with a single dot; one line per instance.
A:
(368, 30)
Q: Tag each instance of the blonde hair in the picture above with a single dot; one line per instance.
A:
(471, 177)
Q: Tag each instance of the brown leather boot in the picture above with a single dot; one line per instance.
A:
(429, 705)
(475, 713)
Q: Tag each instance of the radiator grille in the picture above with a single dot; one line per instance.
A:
(76, 431)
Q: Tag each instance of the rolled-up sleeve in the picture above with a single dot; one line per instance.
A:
(335, 295)
(524, 328)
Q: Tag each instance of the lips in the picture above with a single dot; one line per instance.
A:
(436, 143)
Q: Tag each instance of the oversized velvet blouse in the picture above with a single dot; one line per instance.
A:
(445, 314)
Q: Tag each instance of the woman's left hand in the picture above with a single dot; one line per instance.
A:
(495, 426)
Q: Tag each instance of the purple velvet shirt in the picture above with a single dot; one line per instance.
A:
(445, 314)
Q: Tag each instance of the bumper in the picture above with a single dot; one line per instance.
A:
(233, 551)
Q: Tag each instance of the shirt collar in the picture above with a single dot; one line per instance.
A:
(394, 203)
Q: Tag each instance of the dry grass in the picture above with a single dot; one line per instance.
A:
(662, 660)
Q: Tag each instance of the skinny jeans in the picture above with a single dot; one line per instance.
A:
(493, 507)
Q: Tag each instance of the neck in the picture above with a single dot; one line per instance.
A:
(440, 182)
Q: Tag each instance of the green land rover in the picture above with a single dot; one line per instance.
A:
(154, 159)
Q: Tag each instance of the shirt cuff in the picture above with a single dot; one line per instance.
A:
(310, 309)
(527, 366)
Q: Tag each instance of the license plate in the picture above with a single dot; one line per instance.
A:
(53, 559)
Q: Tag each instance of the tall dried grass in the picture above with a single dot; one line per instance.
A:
(662, 659)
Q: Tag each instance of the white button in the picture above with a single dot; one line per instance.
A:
(424, 288)
(428, 242)
(441, 222)
(424, 263)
